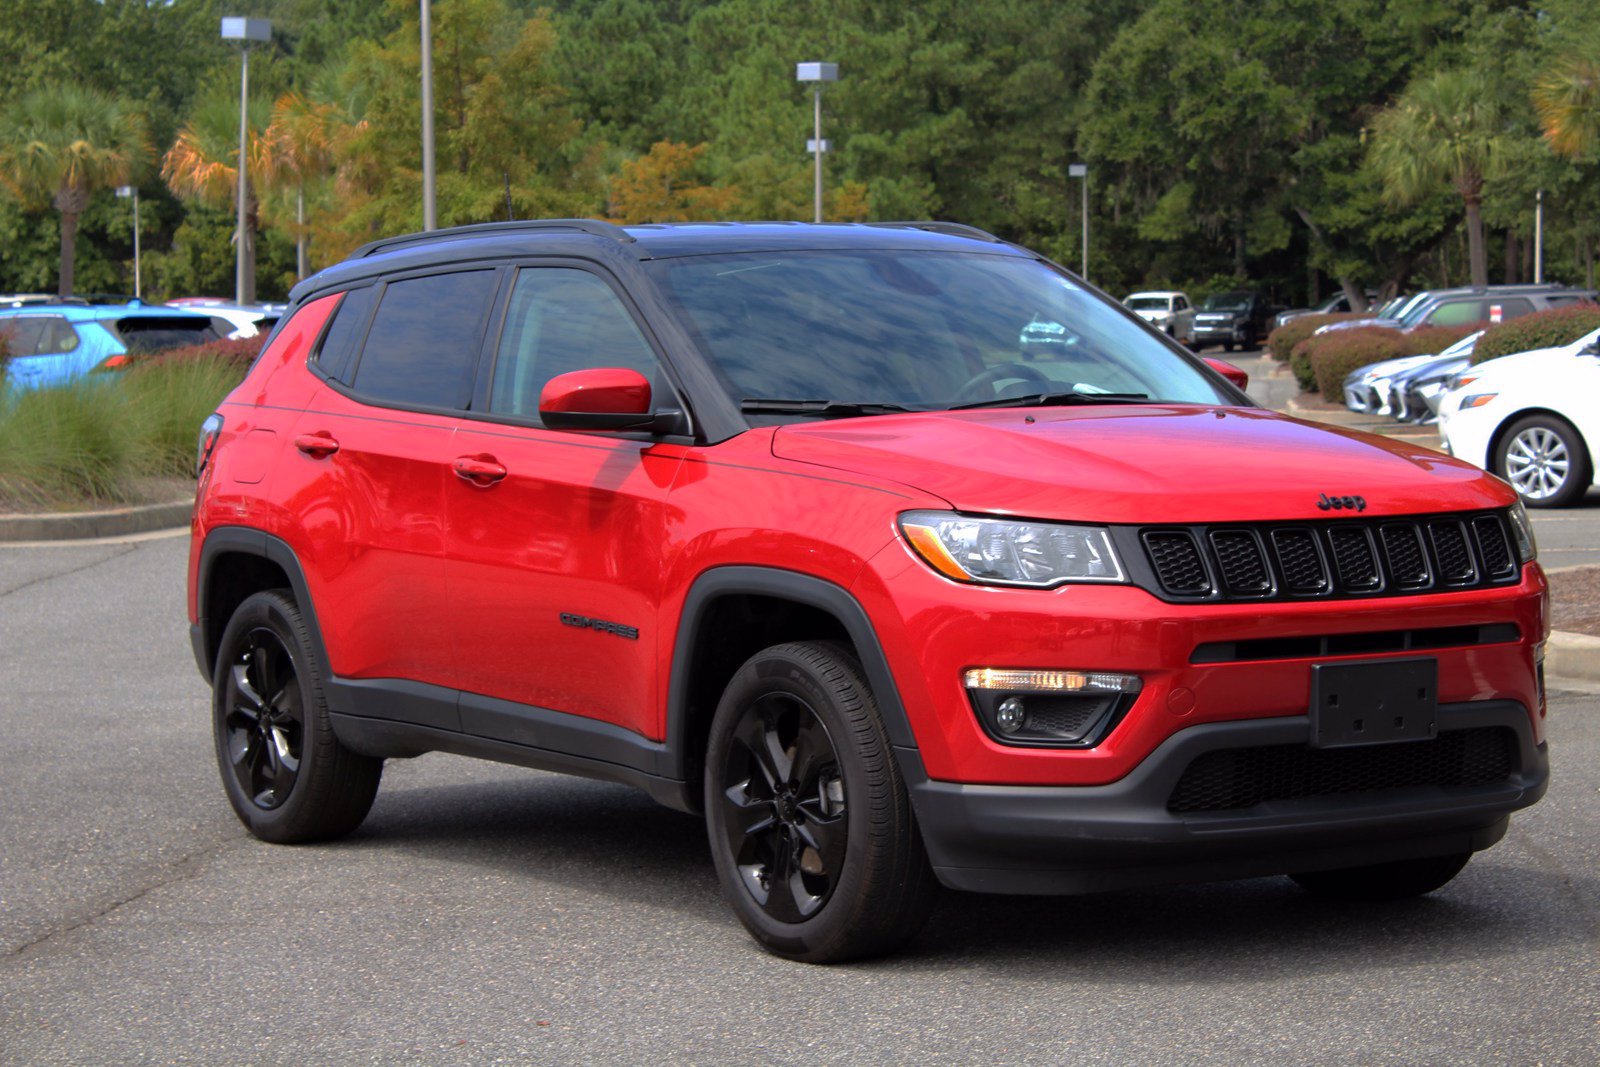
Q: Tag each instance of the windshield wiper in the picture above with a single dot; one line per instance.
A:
(1045, 400)
(822, 409)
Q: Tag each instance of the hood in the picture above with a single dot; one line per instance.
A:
(1527, 366)
(1145, 463)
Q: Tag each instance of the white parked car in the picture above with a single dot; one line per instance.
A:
(1532, 418)
(1170, 312)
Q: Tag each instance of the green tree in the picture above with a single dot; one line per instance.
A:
(203, 165)
(1447, 129)
(62, 143)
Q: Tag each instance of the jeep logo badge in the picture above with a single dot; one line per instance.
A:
(1342, 503)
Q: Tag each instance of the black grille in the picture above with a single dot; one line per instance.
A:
(1241, 562)
(1493, 547)
(1455, 558)
(1408, 560)
(1348, 557)
(1231, 779)
(1177, 561)
(1301, 560)
(1355, 559)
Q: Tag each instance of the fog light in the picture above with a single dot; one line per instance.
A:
(1049, 708)
(1009, 716)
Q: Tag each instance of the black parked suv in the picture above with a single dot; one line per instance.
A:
(1239, 318)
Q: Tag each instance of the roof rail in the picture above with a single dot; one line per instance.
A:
(954, 229)
(593, 227)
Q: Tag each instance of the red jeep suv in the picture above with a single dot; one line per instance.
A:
(897, 551)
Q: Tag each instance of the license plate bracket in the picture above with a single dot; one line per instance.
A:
(1374, 703)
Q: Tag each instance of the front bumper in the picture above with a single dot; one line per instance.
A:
(1220, 332)
(1051, 839)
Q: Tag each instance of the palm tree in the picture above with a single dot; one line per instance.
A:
(1450, 128)
(202, 165)
(1568, 102)
(300, 145)
(61, 144)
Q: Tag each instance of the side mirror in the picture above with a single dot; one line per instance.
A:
(604, 398)
(1229, 371)
(1590, 349)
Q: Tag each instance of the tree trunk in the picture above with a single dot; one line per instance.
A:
(1477, 257)
(1513, 259)
(1356, 294)
(252, 208)
(69, 251)
(300, 231)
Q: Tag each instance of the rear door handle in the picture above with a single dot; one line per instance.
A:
(317, 445)
(482, 471)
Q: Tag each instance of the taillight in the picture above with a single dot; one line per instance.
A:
(114, 362)
(210, 430)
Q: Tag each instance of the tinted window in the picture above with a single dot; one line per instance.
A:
(152, 333)
(1457, 313)
(337, 353)
(23, 333)
(61, 337)
(1513, 307)
(423, 344)
(561, 320)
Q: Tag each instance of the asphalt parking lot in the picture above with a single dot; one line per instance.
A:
(488, 914)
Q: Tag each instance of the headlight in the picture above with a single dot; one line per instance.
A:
(1522, 533)
(1006, 552)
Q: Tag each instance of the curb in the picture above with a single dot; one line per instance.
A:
(80, 525)
(1575, 657)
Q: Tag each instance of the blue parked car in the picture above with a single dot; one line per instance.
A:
(54, 343)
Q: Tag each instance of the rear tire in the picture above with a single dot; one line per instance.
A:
(810, 824)
(1385, 881)
(286, 774)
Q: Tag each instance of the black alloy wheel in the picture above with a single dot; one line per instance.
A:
(784, 807)
(264, 719)
(287, 776)
(808, 817)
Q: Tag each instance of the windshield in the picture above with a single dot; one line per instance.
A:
(922, 330)
(1147, 303)
(1225, 302)
(1407, 308)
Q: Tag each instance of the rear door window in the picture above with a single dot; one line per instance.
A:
(422, 348)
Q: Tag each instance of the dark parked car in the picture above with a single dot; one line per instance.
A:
(1238, 318)
(1337, 304)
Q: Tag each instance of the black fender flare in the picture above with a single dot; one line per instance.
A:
(784, 585)
(248, 541)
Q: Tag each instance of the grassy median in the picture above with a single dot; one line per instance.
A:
(113, 438)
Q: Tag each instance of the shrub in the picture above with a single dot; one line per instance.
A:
(1431, 340)
(1542, 329)
(1334, 355)
(168, 399)
(1281, 342)
(239, 354)
(1300, 365)
(65, 443)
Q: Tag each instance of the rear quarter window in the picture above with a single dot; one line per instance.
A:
(336, 355)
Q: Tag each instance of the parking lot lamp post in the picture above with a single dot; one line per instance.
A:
(123, 193)
(430, 208)
(1538, 237)
(1081, 170)
(817, 74)
(244, 31)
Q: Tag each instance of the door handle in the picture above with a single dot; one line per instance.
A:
(481, 471)
(317, 445)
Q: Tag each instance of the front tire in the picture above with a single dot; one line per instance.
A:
(810, 825)
(1385, 881)
(1545, 460)
(286, 774)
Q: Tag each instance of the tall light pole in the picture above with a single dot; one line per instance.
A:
(123, 193)
(817, 74)
(1081, 170)
(1538, 236)
(430, 208)
(244, 31)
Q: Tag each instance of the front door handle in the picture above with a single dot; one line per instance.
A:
(481, 471)
(319, 445)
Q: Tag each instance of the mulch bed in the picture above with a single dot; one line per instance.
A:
(1575, 601)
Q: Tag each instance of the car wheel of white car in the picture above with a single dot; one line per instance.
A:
(1545, 460)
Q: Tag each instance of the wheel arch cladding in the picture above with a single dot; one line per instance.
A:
(236, 562)
(733, 612)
